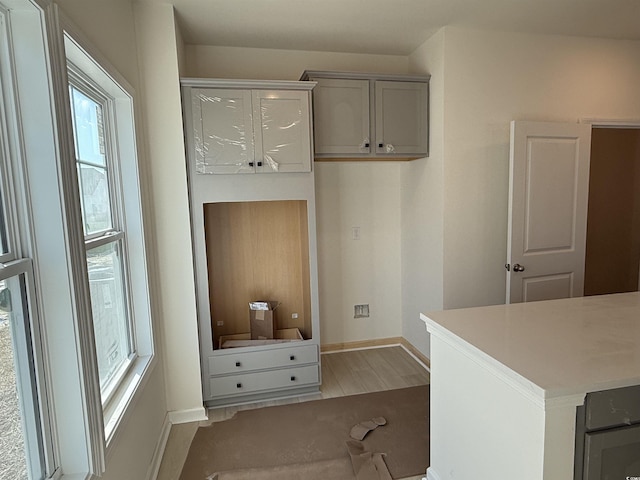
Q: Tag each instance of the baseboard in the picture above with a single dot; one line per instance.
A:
(432, 475)
(154, 467)
(416, 353)
(186, 416)
(378, 342)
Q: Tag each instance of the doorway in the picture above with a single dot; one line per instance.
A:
(612, 260)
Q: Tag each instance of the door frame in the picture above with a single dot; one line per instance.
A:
(613, 124)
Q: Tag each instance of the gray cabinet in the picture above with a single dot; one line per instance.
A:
(254, 236)
(608, 435)
(365, 116)
(249, 126)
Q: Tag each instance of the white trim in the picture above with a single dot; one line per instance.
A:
(611, 123)
(246, 84)
(372, 347)
(158, 453)
(186, 416)
(426, 367)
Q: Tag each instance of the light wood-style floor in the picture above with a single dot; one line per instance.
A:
(343, 373)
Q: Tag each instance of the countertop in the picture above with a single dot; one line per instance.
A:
(562, 347)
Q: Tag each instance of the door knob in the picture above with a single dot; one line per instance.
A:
(518, 268)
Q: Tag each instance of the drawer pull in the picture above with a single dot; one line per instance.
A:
(292, 357)
(293, 379)
(238, 385)
(237, 364)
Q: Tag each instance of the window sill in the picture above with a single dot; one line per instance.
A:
(125, 396)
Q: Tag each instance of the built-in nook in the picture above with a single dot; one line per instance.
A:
(256, 251)
(253, 223)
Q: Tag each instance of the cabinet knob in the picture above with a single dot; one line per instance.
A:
(366, 145)
(381, 145)
(251, 164)
(259, 164)
(293, 379)
(237, 364)
(292, 357)
(238, 385)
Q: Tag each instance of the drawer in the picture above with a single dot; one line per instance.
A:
(263, 359)
(611, 408)
(246, 383)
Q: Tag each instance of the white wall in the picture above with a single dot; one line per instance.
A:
(490, 79)
(268, 64)
(365, 195)
(109, 26)
(158, 50)
(422, 206)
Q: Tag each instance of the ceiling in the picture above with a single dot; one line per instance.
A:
(395, 27)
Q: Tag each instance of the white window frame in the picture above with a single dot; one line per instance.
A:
(116, 233)
(83, 431)
(30, 352)
(89, 66)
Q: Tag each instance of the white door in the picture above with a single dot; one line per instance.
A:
(548, 196)
(282, 130)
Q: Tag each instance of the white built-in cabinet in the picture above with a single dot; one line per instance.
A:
(254, 236)
(368, 116)
(250, 126)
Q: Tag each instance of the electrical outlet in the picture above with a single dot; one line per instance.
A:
(361, 311)
(219, 323)
(294, 315)
(355, 233)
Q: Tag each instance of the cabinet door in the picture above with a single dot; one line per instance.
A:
(341, 113)
(223, 131)
(282, 130)
(401, 118)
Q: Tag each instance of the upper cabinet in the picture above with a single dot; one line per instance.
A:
(371, 117)
(248, 126)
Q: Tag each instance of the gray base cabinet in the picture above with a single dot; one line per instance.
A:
(272, 372)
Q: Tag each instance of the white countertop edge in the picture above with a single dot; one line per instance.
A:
(526, 387)
(548, 396)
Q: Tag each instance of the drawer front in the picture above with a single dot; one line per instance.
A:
(610, 408)
(263, 359)
(269, 380)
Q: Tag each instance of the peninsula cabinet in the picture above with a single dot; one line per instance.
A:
(249, 126)
(370, 117)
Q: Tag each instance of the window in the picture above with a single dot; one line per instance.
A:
(99, 187)
(107, 188)
(72, 250)
(25, 440)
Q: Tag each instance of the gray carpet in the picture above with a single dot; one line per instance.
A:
(303, 440)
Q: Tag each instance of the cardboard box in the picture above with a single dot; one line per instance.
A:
(261, 319)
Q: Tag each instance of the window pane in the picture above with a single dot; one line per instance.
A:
(94, 189)
(18, 411)
(108, 303)
(89, 128)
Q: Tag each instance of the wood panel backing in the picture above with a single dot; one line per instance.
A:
(257, 251)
